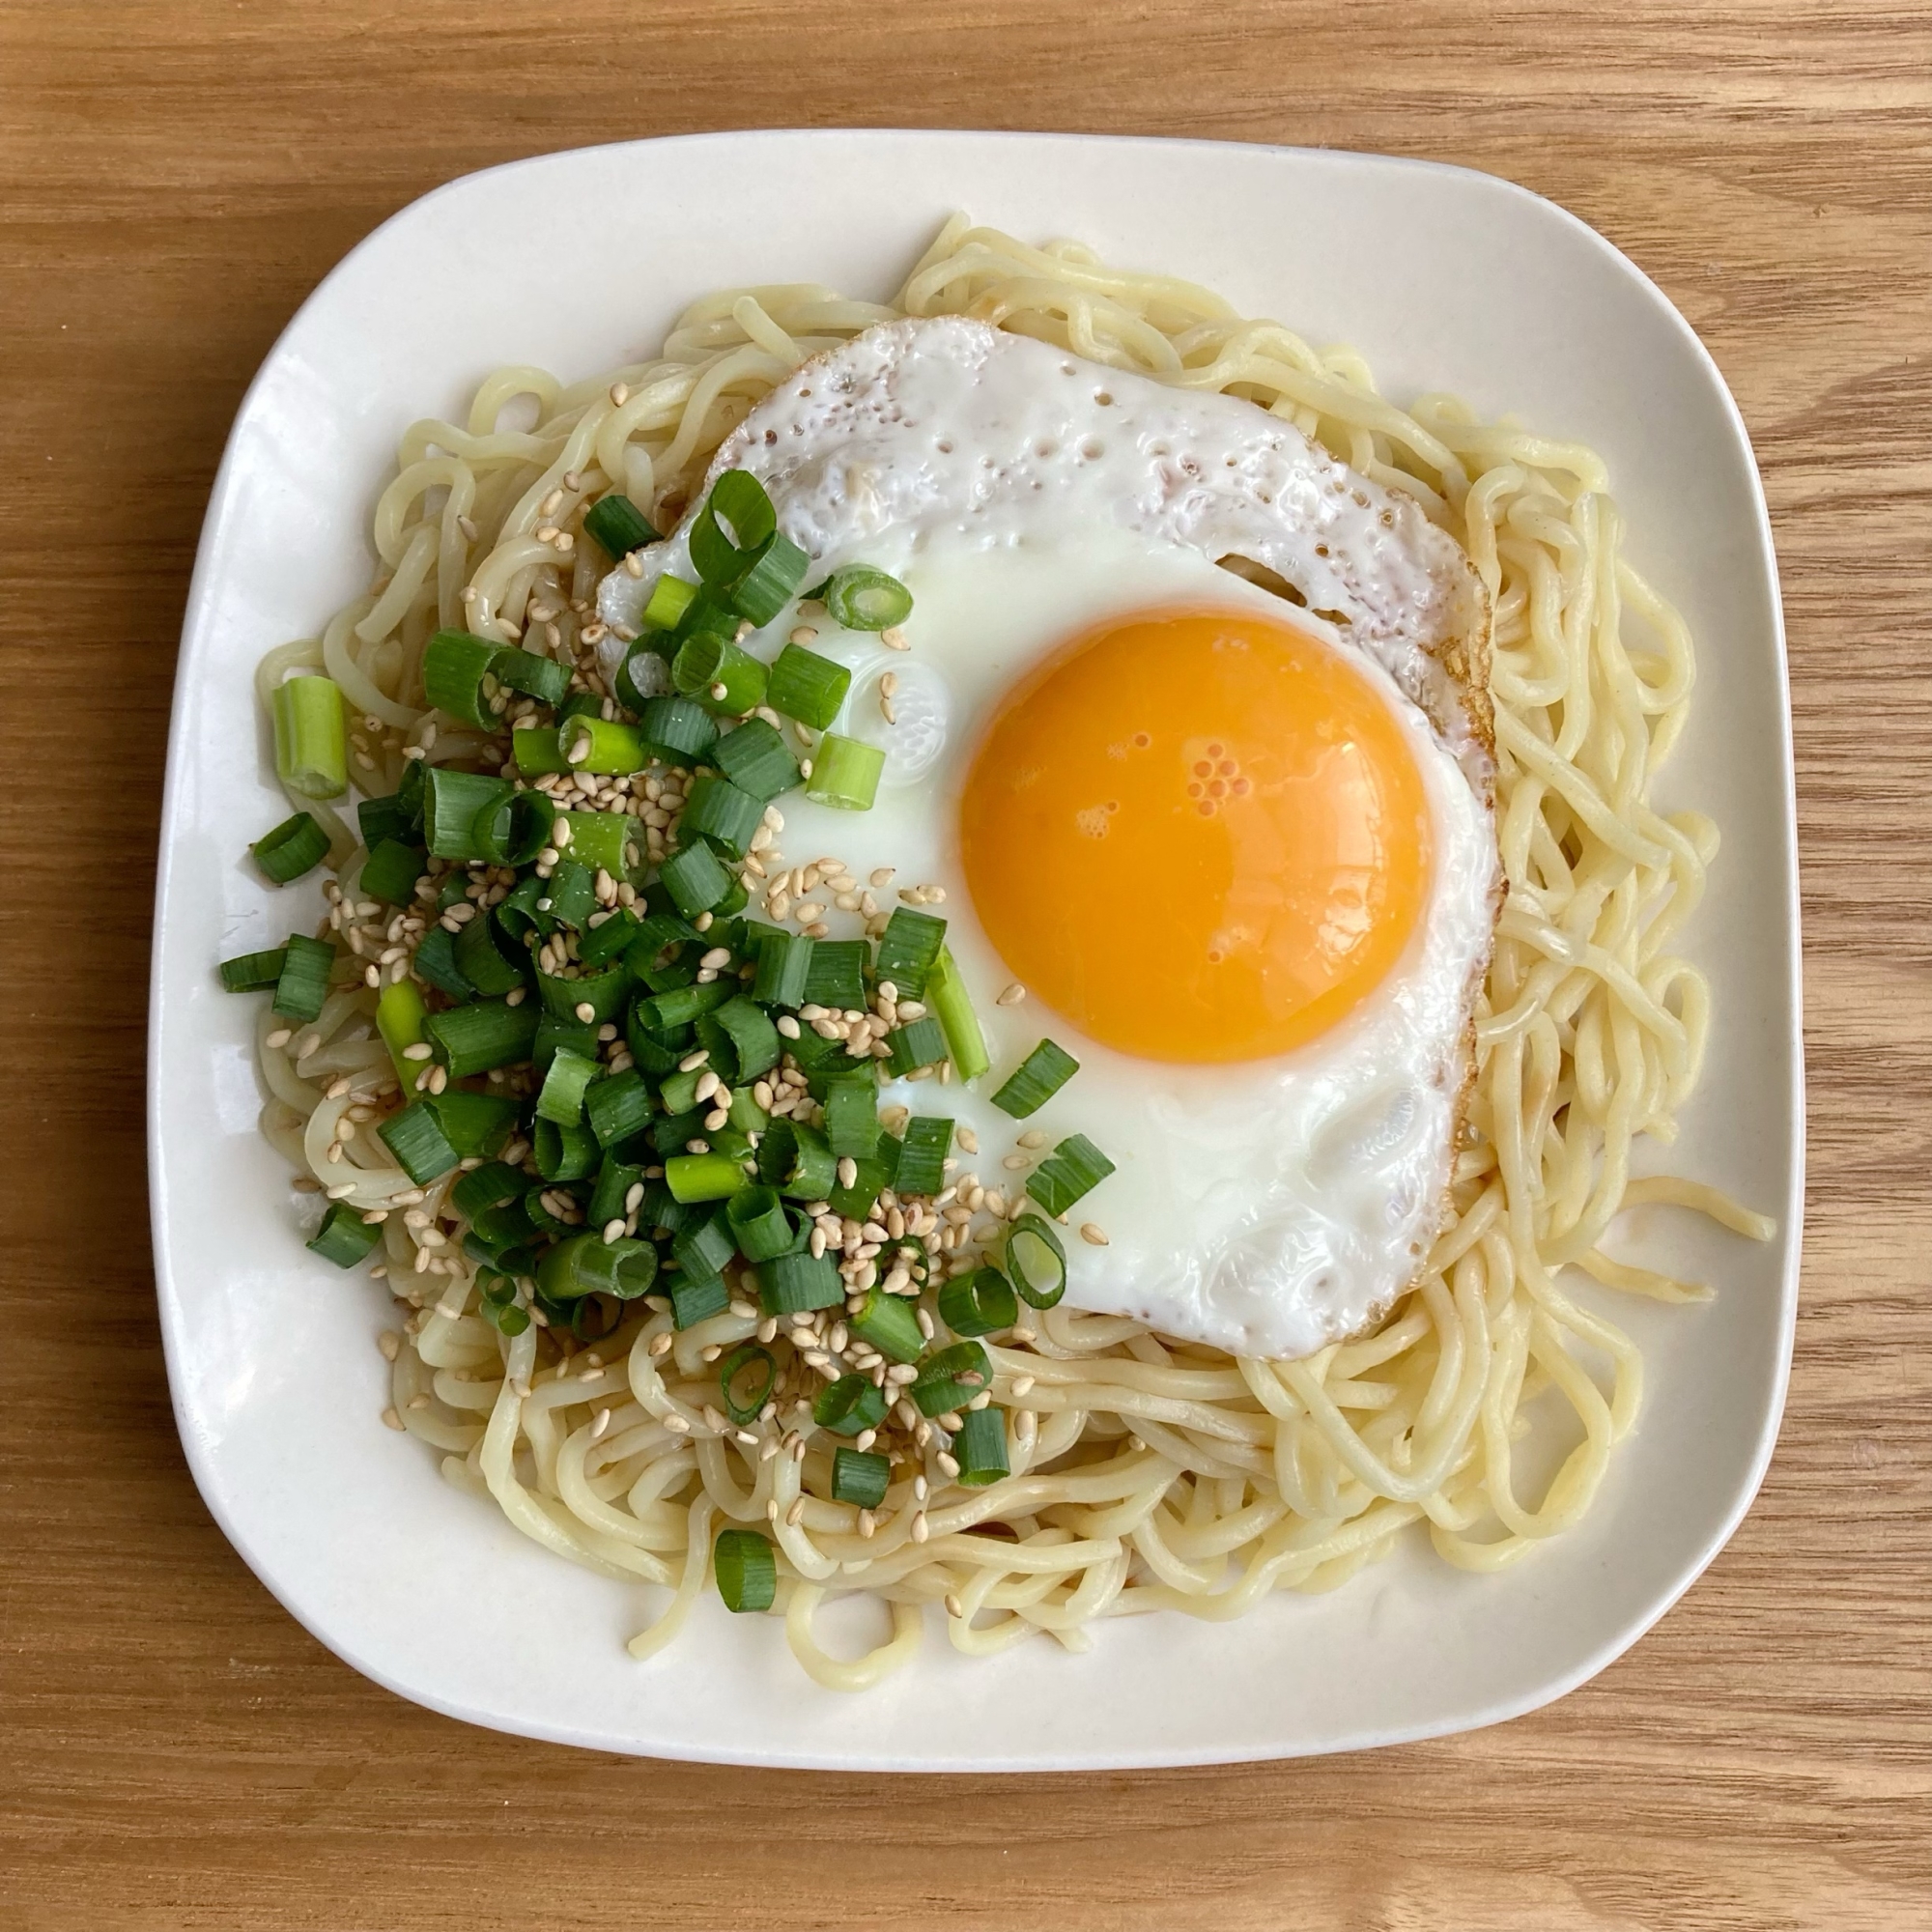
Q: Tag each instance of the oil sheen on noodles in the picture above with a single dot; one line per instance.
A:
(1147, 1474)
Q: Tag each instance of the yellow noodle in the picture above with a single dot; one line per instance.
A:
(1145, 1475)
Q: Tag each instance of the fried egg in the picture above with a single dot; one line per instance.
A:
(1233, 839)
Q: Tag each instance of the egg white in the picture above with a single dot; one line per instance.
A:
(1266, 1208)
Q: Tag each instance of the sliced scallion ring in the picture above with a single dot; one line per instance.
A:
(743, 1407)
(864, 599)
(746, 1568)
(1035, 1262)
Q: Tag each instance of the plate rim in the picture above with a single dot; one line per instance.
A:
(195, 644)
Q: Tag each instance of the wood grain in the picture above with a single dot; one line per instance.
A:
(174, 1750)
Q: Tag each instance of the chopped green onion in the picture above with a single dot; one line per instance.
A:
(859, 1476)
(850, 1406)
(401, 1014)
(797, 1161)
(1073, 1170)
(670, 599)
(771, 574)
(618, 526)
(784, 965)
(501, 1235)
(483, 962)
(952, 1006)
(602, 746)
(703, 1245)
(948, 1378)
(747, 1116)
(537, 748)
(837, 975)
(602, 991)
(739, 499)
(719, 674)
(908, 948)
(618, 1106)
(747, 1571)
(513, 831)
(759, 1223)
(485, 1034)
(457, 677)
(472, 1040)
(509, 1318)
(606, 936)
(614, 1181)
(644, 675)
(852, 1116)
(979, 1303)
(254, 972)
(303, 984)
(489, 1187)
(857, 1201)
(887, 1321)
(680, 728)
(743, 1409)
(1035, 1262)
(694, 880)
(679, 1005)
(573, 894)
(923, 1152)
(793, 1284)
(598, 838)
(678, 1091)
(716, 809)
(755, 758)
(452, 802)
(392, 871)
(474, 1123)
(539, 677)
(921, 1042)
(344, 1236)
(555, 1035)
(416, 1139)
(296, 845)
(650, 1051)
(755, 1040)
(380, 818)
(806, 686)
(1035, 1080)
(588, 1264)
(695, 1299)
(703, 1177)
(561, 1096)
(846, 773)
(435, 961)
(311, 737)
(564, 1150)
(593, 1316)
(864, 599)
(980, 1447)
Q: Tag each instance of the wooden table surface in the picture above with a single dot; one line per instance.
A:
(174, 1750)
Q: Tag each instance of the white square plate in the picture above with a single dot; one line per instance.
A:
(1447, 279)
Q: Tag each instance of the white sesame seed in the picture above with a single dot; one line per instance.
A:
(893, 638)
(1092, 1234)
(1012, 995)
(954, 1606)
(391, 1420)
(1033, 1138)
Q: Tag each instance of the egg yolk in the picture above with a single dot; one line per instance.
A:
(1200, 836)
